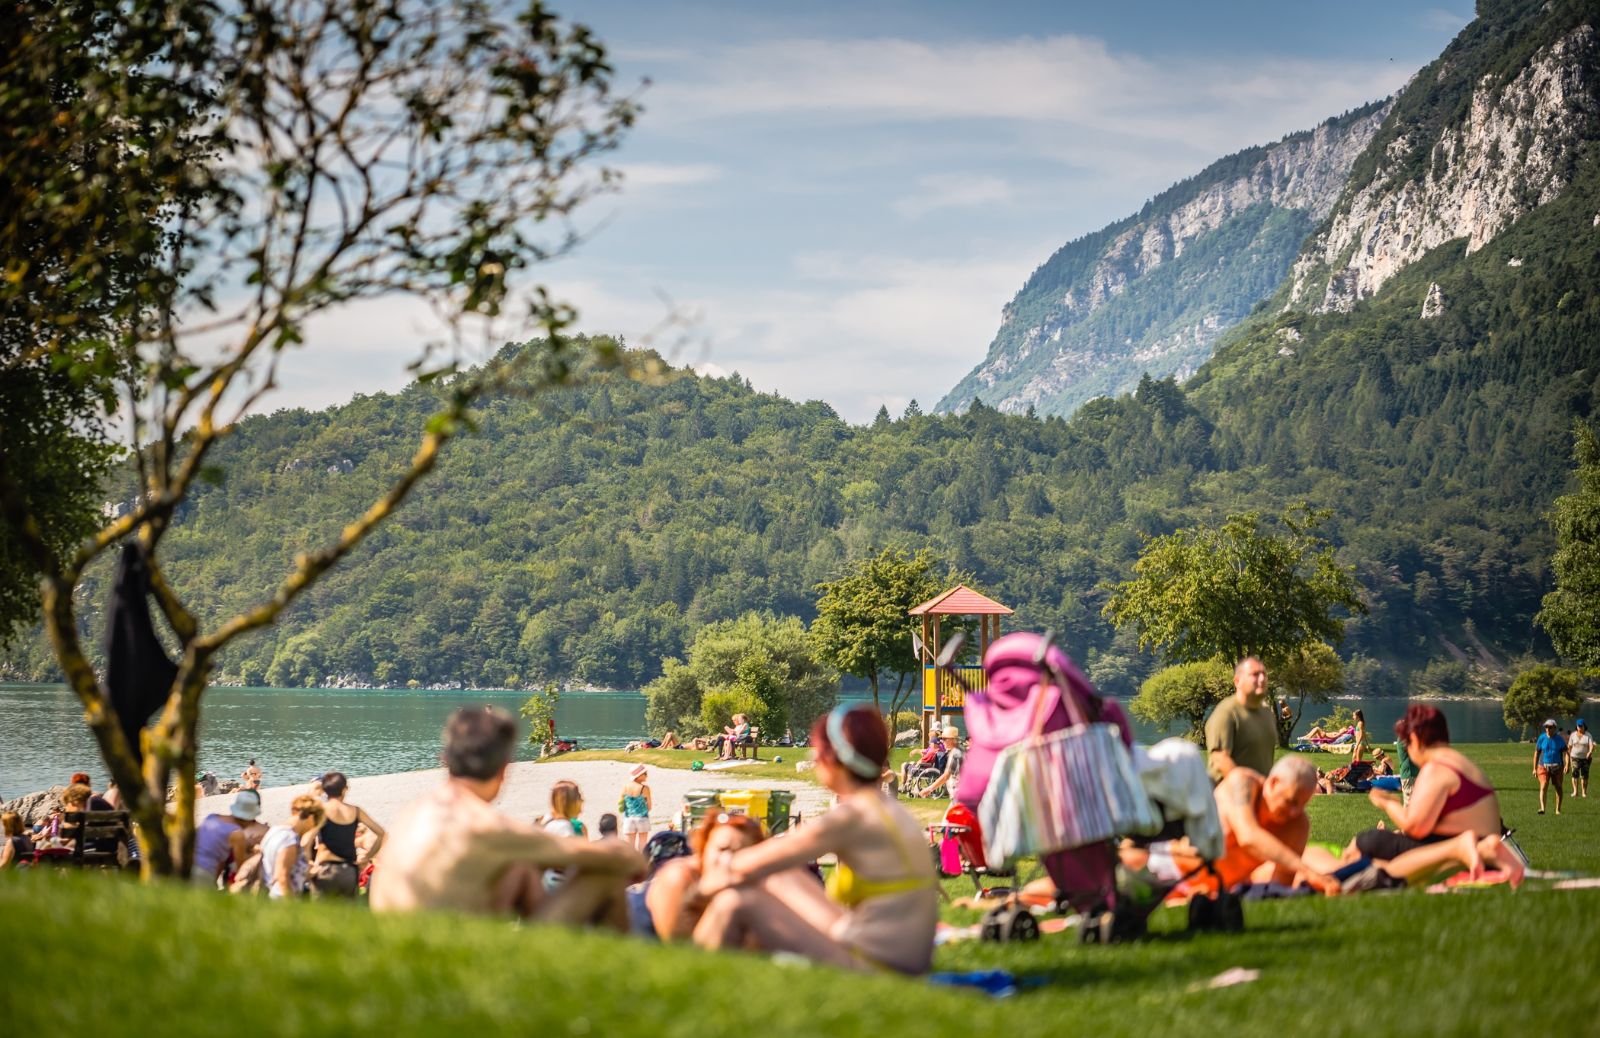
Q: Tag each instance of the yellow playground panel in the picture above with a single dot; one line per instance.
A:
(941, 694)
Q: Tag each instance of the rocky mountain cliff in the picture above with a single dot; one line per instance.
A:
(1152, 292)
(1483, 136)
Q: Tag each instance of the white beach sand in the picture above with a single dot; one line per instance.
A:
(526, 794)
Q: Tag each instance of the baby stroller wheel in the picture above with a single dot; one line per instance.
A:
(1202, 914)
(1127, 924)
(1097, 927)
(1010, 922)
(1230, 913)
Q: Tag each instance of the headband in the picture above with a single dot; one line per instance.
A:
(853, 761)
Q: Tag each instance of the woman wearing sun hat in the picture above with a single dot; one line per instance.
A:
(1549, 761)
(634, 807)
(220, 836)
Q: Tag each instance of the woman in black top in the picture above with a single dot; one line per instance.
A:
(336, 869)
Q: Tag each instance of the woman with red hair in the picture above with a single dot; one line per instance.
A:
(674, 898)
(881, 902)
(1451, 817)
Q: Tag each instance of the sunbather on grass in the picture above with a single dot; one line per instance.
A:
(1452, 813)
(453, 850)
(1265, 830)
(882, 900)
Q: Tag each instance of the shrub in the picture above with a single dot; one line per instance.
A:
(1542, 692)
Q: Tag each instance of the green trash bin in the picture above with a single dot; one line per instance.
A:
(779, 801)
(697, 803)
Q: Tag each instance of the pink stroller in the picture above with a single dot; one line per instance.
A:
(1020, 668)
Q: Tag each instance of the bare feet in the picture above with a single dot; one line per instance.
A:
(1469, 854)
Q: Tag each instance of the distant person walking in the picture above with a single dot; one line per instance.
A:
(1549, 761)
(1580, 752)
(336, 869)
(250, 777)
(1241, 732)
(635, 807)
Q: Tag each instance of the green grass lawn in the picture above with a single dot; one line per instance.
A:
(100, 955)
(104, 955)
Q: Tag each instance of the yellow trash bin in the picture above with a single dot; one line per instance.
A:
(751, 802)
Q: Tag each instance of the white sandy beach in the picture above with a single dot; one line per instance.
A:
(526, 794)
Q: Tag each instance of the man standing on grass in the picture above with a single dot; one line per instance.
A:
(1580, 750)
(1241, 732)
(453, 850)
(1549, 761)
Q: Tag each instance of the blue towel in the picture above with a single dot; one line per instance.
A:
(999, 983)
(1387, 782)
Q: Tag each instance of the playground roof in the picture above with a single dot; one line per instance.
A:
(961, 601)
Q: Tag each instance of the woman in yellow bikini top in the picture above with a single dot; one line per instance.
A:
(881, 904)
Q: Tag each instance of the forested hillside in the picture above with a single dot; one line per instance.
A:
(589, 533)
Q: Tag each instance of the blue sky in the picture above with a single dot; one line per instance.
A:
(836, 199)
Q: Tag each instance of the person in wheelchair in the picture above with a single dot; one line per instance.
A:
(922, 769)
(945, 782)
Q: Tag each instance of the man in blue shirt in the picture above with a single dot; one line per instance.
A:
(1549, 761)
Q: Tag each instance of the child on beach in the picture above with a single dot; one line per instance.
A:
(634, 806)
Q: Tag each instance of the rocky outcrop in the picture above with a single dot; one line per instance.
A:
(35, 807)
(1509, 154)
(1152, 293)
(1433, 305)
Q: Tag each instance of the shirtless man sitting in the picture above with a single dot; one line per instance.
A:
(453, 850)
(1265, 829)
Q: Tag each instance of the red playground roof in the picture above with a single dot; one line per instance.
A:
(961, 601)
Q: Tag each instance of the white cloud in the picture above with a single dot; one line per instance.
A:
(1441, 20)
(950, 190)
(666, 174)
(856, 331)
(1065, 81)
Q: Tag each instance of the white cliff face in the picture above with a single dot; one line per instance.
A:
(1305, 174)
(1507, 157)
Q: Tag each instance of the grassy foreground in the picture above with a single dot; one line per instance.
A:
(102, 955)
(99, 955)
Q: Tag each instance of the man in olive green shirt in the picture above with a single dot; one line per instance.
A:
(1241, 732)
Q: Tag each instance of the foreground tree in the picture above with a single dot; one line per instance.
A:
(863, 626)
(1540, 693)
(1237, 590)
(1571, 612)
(254, 165)
(1184, 692)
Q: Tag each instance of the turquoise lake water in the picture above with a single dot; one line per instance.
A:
(296, 733)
